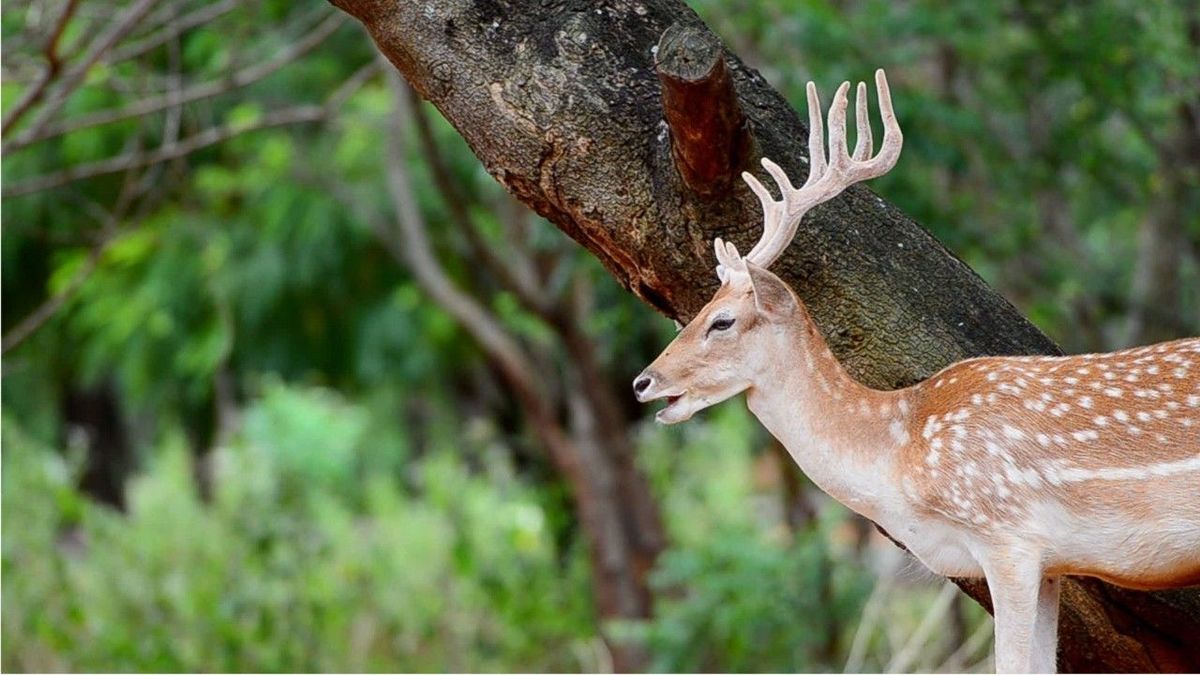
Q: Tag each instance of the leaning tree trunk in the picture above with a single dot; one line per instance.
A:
(573, 109)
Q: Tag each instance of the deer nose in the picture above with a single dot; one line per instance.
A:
(642, 383)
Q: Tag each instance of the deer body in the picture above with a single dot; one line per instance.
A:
(1015, 469)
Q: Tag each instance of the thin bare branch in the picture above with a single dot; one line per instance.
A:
(416, 251)
(456, 203)
(50, 71)
(177, 28)
(241, 78)
(138, 159)
(352, 84)
(70, 81)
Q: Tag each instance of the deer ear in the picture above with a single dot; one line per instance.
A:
(772, 297)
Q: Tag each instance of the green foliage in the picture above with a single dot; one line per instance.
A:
(744, 614)
(292, 564)
(284, 569)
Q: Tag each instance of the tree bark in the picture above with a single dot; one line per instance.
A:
(561, 103)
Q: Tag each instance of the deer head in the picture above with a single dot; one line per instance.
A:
(732, 344)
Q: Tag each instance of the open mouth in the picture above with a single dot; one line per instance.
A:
(668, 413)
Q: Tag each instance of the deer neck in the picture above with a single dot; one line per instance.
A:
(844, 435)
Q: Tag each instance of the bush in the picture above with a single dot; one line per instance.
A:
(282, 571)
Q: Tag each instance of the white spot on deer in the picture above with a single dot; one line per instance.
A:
(927, 430)
(1121, 415)
(1052, 476)
(1113, 392)
(1085, 402)
(1074, 474)
(1013, 432)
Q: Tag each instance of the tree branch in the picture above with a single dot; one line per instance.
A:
(139, 159)
(239, 79)
(53, 66)
(710, 140)
(185, 23)
(456, 203)
(72, 79)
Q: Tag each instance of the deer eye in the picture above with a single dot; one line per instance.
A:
(722, 323)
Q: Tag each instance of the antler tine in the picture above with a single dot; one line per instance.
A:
(774, 211)
(816, 137)
(893, 138)
(864, 145)
(839, 155)
(828, 176)
(816, 170)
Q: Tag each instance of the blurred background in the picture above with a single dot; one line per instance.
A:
(290, 384)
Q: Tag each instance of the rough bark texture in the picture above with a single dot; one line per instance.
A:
(560, 101)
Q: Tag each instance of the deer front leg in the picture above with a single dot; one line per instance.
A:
(1045, 629)
(1014, 580)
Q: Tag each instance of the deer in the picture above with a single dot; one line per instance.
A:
(1016, 469)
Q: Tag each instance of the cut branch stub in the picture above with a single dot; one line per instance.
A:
(710, 139)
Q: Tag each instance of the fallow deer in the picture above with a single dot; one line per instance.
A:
(1017, 469)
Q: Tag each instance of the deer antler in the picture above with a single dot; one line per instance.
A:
(826, 179)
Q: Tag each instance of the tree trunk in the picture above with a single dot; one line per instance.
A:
(561, 102)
